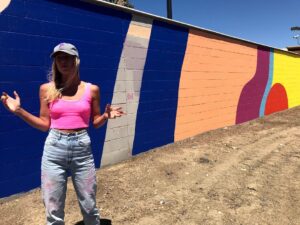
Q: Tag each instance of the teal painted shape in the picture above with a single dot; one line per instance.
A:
(268, 86)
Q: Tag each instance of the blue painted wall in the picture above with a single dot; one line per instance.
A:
(156, 114)
(29, 29)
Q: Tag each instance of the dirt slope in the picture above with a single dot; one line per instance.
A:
(242, 175)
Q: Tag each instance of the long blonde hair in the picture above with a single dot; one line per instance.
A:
(56, 86)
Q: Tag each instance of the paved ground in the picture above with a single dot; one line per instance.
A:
(242, 175)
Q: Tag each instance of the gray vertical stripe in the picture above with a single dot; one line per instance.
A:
(120, 132)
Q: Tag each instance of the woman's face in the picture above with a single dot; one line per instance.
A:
(65, 63)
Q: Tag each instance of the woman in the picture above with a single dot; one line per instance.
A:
(67, 105)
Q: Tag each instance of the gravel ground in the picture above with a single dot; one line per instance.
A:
(247, 174)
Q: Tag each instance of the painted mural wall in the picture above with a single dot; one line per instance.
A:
(174, 81)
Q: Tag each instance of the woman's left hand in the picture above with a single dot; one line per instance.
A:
(113, 112)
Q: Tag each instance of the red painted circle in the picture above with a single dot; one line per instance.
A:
(277, 99)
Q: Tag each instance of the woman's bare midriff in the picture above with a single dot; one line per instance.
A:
(71, 131)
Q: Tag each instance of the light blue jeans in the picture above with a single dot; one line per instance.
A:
(65, 153)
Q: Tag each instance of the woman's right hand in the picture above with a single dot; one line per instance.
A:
(11, 104)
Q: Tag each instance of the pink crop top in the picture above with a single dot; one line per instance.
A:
(71, 114)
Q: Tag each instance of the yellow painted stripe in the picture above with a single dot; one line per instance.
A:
(287, 73)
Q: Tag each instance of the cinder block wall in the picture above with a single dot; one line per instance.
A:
(173, 80)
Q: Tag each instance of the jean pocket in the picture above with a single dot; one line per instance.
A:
(51, 140)
(84, 142)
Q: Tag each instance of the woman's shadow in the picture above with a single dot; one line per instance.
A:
(102, 222)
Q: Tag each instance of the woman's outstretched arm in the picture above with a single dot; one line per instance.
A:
(109, 113)
(14, 105)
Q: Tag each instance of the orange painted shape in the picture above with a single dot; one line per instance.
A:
(214, 72)
(277, 99)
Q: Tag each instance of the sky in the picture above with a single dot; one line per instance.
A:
(265, 22)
